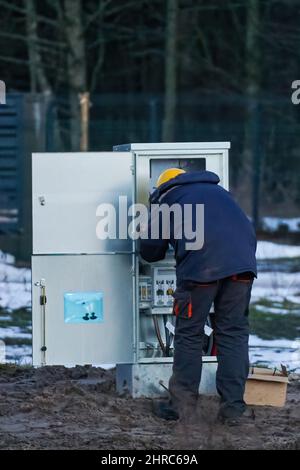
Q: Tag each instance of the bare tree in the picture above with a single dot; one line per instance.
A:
(38, 78)
(76, 60)
(171, 59)
(252, 90)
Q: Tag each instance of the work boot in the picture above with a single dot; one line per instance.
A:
(164, 410)
(235, 419)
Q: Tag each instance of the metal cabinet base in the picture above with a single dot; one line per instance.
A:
(143, 380)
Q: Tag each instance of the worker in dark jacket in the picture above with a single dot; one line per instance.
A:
(217, 269)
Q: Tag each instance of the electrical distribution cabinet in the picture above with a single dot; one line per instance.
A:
(94, 300)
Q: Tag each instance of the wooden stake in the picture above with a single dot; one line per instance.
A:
(85, 117)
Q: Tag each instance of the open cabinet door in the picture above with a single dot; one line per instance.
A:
(82, 287)
(88, 315)
(67, 190)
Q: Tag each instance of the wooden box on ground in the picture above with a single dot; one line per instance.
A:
(266, 387)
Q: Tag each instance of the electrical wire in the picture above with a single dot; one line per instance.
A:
(168, 337)
(158, 334)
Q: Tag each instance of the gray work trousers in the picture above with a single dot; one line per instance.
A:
(192, 303)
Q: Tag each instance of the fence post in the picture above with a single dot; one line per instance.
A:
(153, 119)
(256, 154)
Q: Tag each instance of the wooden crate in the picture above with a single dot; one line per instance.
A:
(266, 387)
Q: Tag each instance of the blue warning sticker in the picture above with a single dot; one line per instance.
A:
(83, 307)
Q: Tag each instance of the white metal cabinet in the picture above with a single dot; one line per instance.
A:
(68, 256)
(67, 189)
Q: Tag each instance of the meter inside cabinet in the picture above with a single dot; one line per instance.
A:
(164, 282)
(157, 284)
(156, 322)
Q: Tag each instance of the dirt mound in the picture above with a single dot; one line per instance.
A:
(59, 408)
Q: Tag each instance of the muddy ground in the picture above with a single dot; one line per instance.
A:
(58, 408)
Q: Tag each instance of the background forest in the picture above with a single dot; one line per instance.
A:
(170, 70)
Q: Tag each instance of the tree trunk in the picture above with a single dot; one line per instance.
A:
(170, 72)
(76, 63)
(38, 79)
(250, 165)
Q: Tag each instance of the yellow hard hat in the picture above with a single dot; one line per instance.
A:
(167, 175)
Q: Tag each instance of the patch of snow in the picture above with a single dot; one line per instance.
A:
(273, 224)
(15, 284)
(10, 273)
(274, 358)
(290, 298)
(6, 258)
(21, 355)
(107, 366)
(5, 318)
(275, 352)
(274, 343)
(270, 250)
(14, 332)
(278, 286)
(15, 295)
(15, 292)
(276, 310)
